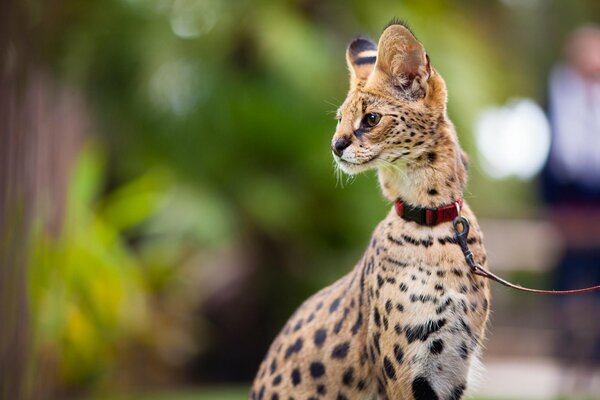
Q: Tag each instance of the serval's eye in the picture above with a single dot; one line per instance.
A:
(371, 119)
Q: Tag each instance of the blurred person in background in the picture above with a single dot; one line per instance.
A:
(571, 189)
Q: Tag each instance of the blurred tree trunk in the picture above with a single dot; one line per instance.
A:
(14, 335)
(41, 126)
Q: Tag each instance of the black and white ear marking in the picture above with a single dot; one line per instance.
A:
(361, 57)
(362, 51)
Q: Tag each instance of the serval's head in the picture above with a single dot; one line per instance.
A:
(394, 117)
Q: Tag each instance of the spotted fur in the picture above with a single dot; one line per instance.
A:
(408, 321)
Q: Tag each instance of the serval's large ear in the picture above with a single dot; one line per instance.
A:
(360, 56)
(403, 60)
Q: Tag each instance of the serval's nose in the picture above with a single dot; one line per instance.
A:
(339, 145)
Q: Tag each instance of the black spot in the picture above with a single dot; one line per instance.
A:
(317, 369)
(403, 287)
(422, 390)
(380, 385)
(400, 307)
(273, 366)
(320, 336)
(463, 351)
(398, 353)
(390, 371)
(437, 346)
(298, 325)
(361, 385)
(432, 192)
(431, 156)
(341, 397)
(277, 380)
(376, 317)
(261, 392)
(392, 239)
(457, 392)
(418, 242)
(422, 331)
(338, 325)
(321, 389)
(296, 377)
(357, 324)
(275, 396)
(463, 304)
(423, 298)
(466, 327)
(396, 262)
(348, 376)
(376, 342)
(388, 306)
(341, 350)
(294, 348)
(334, 306)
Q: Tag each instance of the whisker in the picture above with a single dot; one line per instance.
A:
(338, 175)
(332, 104)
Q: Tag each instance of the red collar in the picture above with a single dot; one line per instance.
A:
(428, 216)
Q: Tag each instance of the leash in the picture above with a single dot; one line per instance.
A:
(476, 269)
(451, 212)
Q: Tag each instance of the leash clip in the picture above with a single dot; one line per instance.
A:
(476, 269)
(462, 239)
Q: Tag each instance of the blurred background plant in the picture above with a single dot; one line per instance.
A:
(168, 191)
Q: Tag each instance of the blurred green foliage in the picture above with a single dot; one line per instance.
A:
(108, 280)
(213, 121)
(87, 288)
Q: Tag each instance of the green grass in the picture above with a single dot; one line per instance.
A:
(213, 393)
